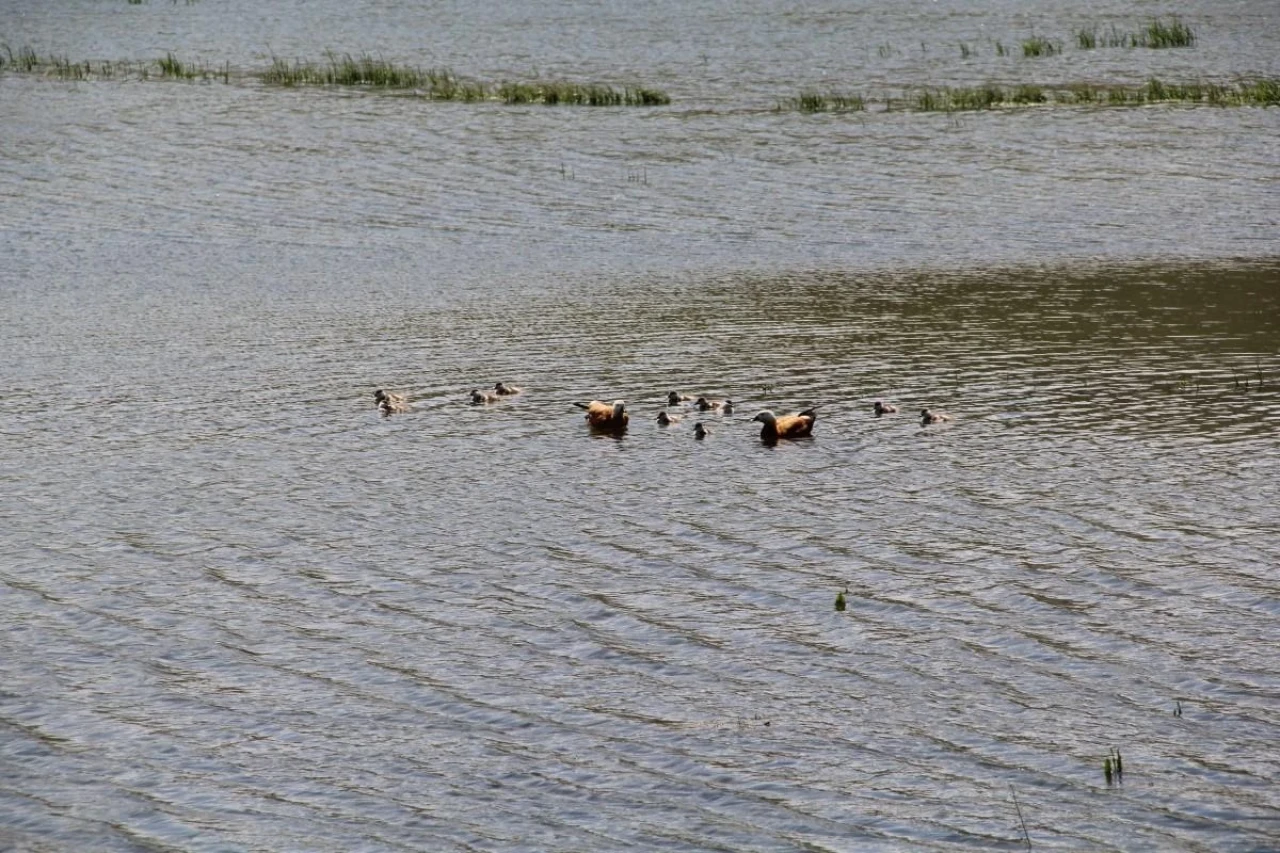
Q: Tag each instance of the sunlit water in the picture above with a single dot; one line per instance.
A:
(245, 612)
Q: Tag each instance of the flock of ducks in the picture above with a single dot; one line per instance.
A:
(614, 417)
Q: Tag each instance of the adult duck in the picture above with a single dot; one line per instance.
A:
(775, 427)
(607, 417)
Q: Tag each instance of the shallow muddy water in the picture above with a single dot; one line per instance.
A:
(245, 612)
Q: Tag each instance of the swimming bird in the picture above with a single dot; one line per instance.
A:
(664, 419)
(502, 389)
(700, 432)
(787, 426)
(479, 398)
(930, 417)
(611, 417)
(390, 407)
(674, 399)
(380, 396)
(723, 406)
(882, 408)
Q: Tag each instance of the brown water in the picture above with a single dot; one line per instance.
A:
(244, 612)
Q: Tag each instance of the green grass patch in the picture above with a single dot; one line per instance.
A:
(443, 85)
(1260, 92)
(171, 66)
(1173, 34)
(1038, 46)
(345, 70)
(1157, 34)
(830, 102)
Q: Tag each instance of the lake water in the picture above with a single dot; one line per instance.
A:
(244, 612)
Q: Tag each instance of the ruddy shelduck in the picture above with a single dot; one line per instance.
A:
(612, 417)
(798, 425)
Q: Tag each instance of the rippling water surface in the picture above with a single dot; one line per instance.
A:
(242, 611)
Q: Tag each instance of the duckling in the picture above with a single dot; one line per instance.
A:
(929, 417)
(700, 432)
(787, 426)
(611, 417)
(381, 396)
(502, 389)
(664, 419)
(882, 408)
(725, 407)
(675, 399)
(479, 398)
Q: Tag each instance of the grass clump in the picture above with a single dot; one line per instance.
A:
(171, 66)
(1263, 92)
(1037, 46)
(817, 102)
(956, 99)
(441, 84)
(345, 70)
(1158, 34)
(578, 94)
(1091, 39)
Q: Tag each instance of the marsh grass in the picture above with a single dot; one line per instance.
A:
(27, 61)
(577, 94)
(1038, 46)
(1260, 92)
(1157, 34)
(831, 102)
(443, 85)
(171, 66)
(345, 70)
(1092, 38)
